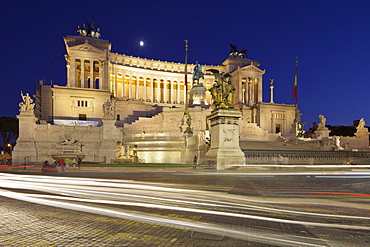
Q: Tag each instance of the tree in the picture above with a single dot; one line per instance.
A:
(9, 129)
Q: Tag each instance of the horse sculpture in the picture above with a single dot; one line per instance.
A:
(235, 53)
(197, 74)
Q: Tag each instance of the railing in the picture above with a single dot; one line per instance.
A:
(298, 157)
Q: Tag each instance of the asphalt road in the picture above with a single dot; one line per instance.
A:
(184, 208)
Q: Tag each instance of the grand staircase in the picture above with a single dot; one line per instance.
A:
(137, 114)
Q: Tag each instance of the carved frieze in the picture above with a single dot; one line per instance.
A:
(86, 48)
(252, 68)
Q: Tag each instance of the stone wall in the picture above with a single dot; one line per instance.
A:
(45, 140)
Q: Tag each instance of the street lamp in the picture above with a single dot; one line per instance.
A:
(10, 148)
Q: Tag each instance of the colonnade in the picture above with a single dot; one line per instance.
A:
(251, 90)
(126, 84)
(147, 88)
(84, 73)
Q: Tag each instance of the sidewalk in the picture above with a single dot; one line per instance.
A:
(36, 169)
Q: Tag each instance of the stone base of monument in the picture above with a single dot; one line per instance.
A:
(67, 151)
(225, 151)
(322, 132)
(197, 96)
(24, 152)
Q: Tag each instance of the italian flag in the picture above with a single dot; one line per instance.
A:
(295, 93)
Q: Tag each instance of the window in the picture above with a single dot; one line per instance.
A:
(82, 117)
(82, 103)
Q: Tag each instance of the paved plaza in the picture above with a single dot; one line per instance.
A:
(28, 224)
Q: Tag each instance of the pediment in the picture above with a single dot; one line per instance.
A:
(252, 68)
(86, 47)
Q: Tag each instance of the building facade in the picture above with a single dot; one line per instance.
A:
(118, 107)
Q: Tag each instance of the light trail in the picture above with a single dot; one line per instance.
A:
(110, 197)
(252, 234)
(192, 196)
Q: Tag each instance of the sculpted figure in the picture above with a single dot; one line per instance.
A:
(234, 50)
(322, 121)
(97, 33)
(119, 151)
(299, 129)
(216, 94)
(68, 140)
(242, 53)
(361, 124)
(223, 90)
(108, 109)
(197, 74)
(90, 31)
(81, 31)
(229, 91)
(27, 104)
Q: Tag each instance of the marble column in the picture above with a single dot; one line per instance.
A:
(71, 79)
(100, 66)
(115, 92)
(130, 88)
(240, 89)
(68, 77)
(137, 88)
(151, 89)
(82, 73)
(165, 92)
(91, 73)
(178, 92)
(145, 88)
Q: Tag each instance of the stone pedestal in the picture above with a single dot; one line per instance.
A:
(225, 151)
(322, 132)
(362, 135)
(25, 150)
(108, 145)
(197, 96)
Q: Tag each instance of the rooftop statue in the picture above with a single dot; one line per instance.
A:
(242, 53)
(223, 90)
(234, 50)
(27, 105)
(90, 32)
(81, 31)
(197, 74)
(235, 53)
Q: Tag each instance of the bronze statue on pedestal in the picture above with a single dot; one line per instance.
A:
(223, 90)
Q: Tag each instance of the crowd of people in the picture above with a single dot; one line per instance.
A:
(62, 164)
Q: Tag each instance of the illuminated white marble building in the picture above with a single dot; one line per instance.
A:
(148, 99)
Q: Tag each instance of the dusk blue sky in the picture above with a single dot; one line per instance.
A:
(331, 39)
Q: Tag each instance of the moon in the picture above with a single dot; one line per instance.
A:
(141, 43)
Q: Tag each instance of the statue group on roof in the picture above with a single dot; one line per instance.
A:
(235, 53)
(90, 31)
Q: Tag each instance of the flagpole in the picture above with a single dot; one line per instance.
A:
(296, 71)
(295, 91)
(186, 76)
(187, 117)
